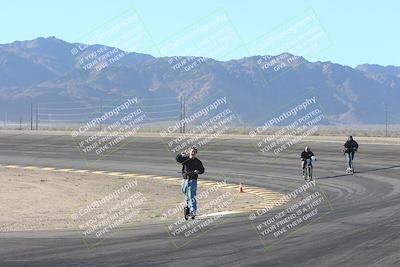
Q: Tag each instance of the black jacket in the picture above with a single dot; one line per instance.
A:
(189, 165)
(350, 146)
(306, 155)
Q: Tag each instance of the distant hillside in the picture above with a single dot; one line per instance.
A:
(44, 69)
(378, 69)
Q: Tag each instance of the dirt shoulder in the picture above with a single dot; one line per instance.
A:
(43, 200)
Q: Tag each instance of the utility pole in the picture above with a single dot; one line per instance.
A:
(101, 112)
(37, 116)
(386, 119)
(31, 116)
(184, 115)
(180, 113)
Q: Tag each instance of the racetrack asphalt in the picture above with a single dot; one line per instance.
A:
(358, 225)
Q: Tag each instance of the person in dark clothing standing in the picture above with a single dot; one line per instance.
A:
(350, 147)
(191, 168)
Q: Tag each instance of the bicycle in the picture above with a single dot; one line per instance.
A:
(308, 171)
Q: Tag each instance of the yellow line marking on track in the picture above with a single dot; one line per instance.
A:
(99, 172)
(115, 173)
(170, 179)
(80, 171)
(129, 175)
(250, 191)
(255, 189)
(208, 183)
(64, 170)
(231, 186)
(11, 166)
(218, 213)
(47, 169)
(273, 195)
(30, 167)
(243, 210)
(157, 177)
(145, 176)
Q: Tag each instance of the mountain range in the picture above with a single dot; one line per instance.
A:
(50, 70)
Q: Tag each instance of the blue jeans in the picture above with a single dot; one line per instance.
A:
(189, 188)
(350, 157)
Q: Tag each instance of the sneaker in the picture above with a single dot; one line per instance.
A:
(186, 212)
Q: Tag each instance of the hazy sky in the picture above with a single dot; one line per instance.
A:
(354, 32)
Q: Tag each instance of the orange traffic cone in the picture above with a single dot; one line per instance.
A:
(240, 188)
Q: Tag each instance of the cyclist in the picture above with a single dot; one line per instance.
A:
(350, 147)
(307, 156)
(191, 168)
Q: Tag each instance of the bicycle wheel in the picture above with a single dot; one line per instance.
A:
(305, 174)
